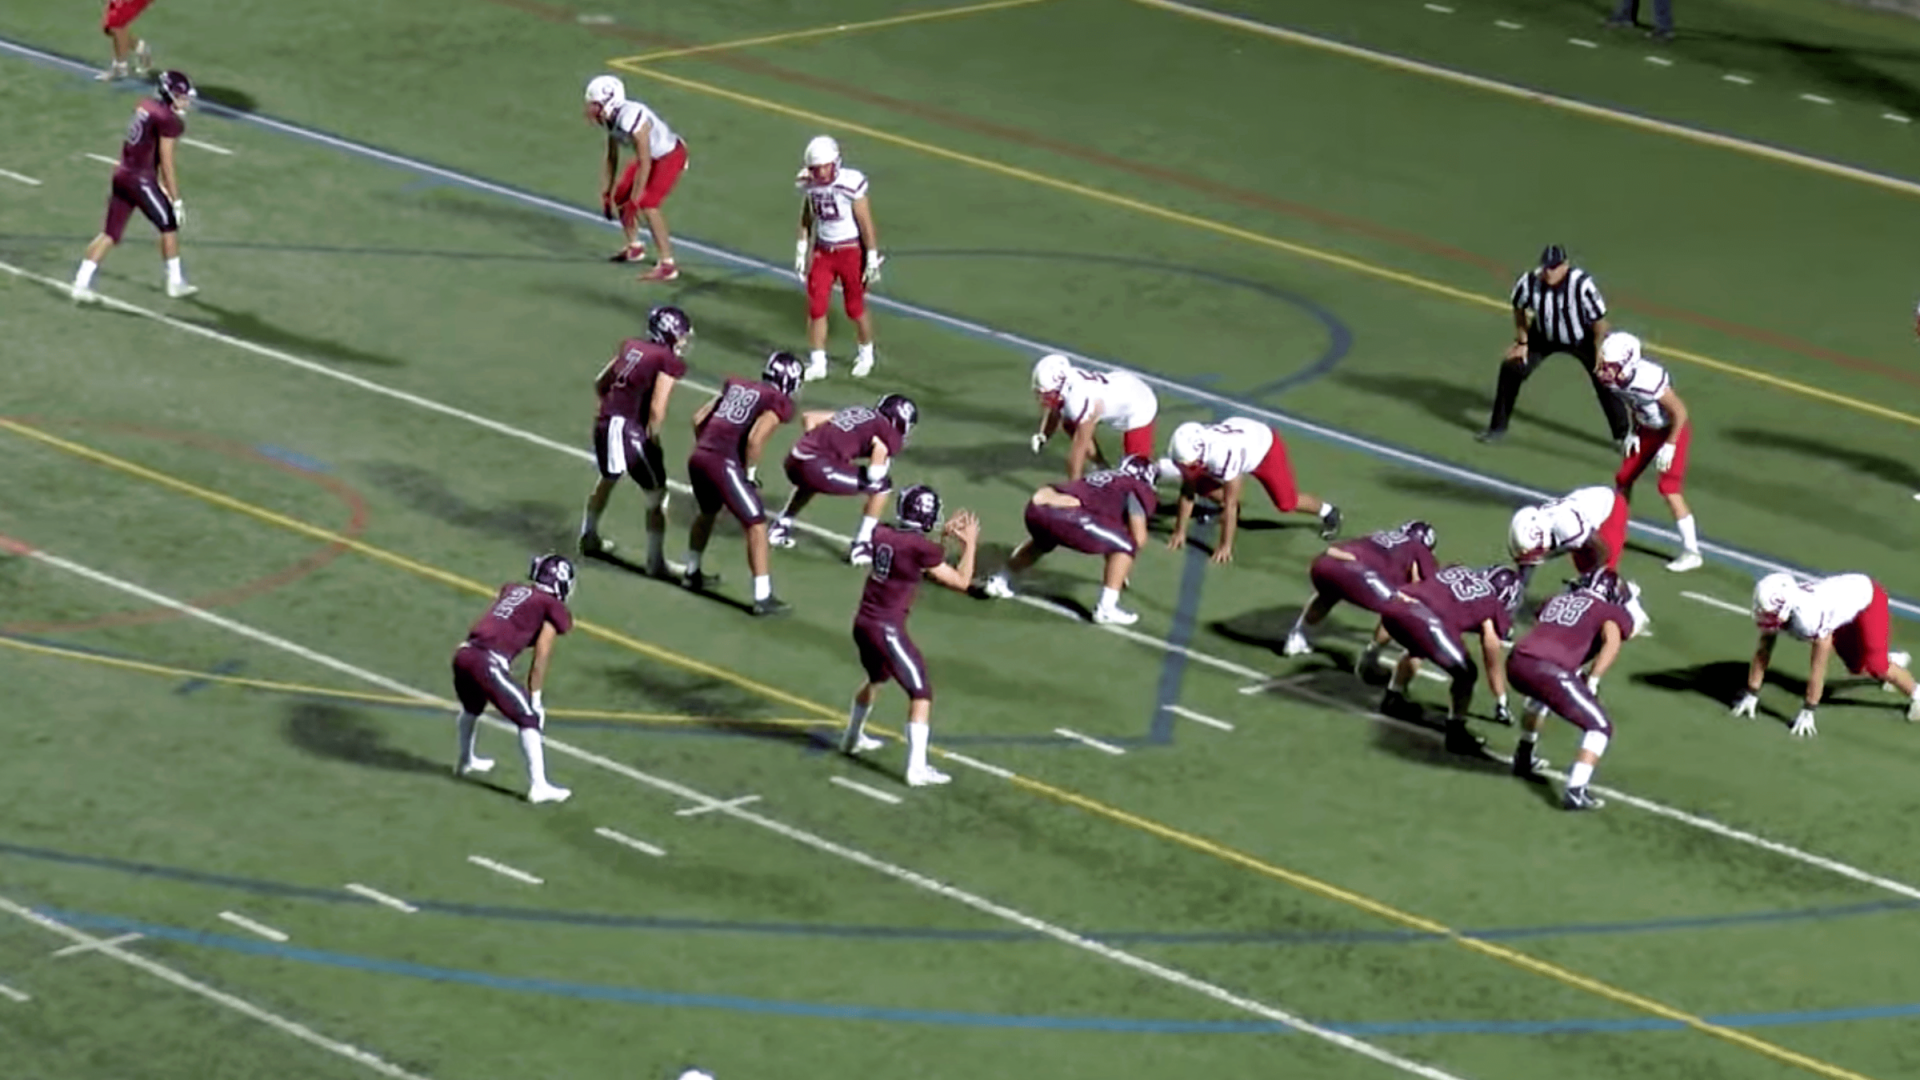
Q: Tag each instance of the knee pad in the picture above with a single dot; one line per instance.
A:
(1594, 742)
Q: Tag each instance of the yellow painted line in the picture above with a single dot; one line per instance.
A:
(1220, 228)
(1231, 856)
(826, 31)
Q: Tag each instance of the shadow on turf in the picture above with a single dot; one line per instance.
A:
(228, 97)
(1858, 71)
(339, 734)
(1425, 747)
(1723, 681)
(250, 327)
(536, 526)
(1436, 487)
(1892, 470)
(1464, 408)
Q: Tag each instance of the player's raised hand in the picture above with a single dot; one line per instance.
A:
(964, 526)
(1749, 701)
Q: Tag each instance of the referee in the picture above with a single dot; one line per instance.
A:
(1557, 308)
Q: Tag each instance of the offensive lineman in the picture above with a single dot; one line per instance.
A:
(826, 461)
(837, 243)
(1588, 622)
(730, 433)
(145, 180)
(1103, 513)
(1364, 571)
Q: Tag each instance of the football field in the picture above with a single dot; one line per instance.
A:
(240, 535)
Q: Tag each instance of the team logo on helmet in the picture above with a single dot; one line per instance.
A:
(1773, 598)
(1527, 536)
(901, 411)
(1050, 374)
(1423, 532)
(1604, 584)
(783, 372)
(552, 573)
(1618, 355)
(1140, 468)
(1187, 444)
(606, 91)
(919, 508)
(176, 89)
(1507, 586)
(668, 325)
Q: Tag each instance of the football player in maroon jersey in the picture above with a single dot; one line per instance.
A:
(520, 615)
(1430, 617)
(1364, 572)
(731, 432)
(1103, 513)
(634, 388)
(827, 461)
(902, 556)
(145, 181)
(1582, 627)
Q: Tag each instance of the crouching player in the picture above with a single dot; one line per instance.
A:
(1844, 614)
(1428, 619)
(1364, 572)
(730, 433)
(1589, 523)
(522, 614)
(1103, 513)
(903, 555)
(1216, 459)
(1588, 622)
(827, 461)
(1081, 400)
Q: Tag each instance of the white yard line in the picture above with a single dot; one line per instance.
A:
(219, 997)
(1816, 99)
(1505, 25)
(708, 806)
(1660, 61)
(1583, 43)
(504, 870)
(1714, 601)
(622, 838)
(873, 793)
(112, 942)
(381, 898)
(1739, 80)
(104, 159)
(202, 144)
(1198, 718)
(21, 177)
(11, 994)
(1441, 8)
(1088, 740)
(975, 763)
(1898, 119)
(252, 927)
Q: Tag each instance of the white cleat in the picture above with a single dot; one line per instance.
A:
(998, 588)
(473, 766)
(1296, 646)
(864, 744)
(1901, 659)
(547, 793)
(862, 366)
(142, 59)
(84, 295)
(1688, 560)
(816, 370)
(1115, 616)
(114, 72)
(1913, 711)
(926, 776)
(180, 290)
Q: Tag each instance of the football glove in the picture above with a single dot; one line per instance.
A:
(539, 711)
(1038, 442)
(753, 475)
(800, 251)
(1593, 685)
(1663, 457)
(1630, 445)
(1803, 727)
(1749, 701)
(871, 275)
(180, 211)
(1503, 715)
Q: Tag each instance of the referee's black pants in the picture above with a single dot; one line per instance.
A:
(1513, 373)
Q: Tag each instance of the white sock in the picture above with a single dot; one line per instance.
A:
(866, 351)
(762, 586)
(1529, 737)
(693, 562)
(656, 548)
(856, 721)
(865, 534)
(1300, 628)
(1326, 510)
(467, 722)
(1689, 535)
(1109, 598)
(917, 733)
(589, 522)
(1579, 774)
(174, 274)
(817, 357)
(84, 277)
(1395, 683)
(535, 753)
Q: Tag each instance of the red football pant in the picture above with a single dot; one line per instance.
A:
(844, 264)
(1613, 533)
(660, 181)
(1274, 473)
(1138, 441)
(1671, 481)
(121, 13)
(1862, 643)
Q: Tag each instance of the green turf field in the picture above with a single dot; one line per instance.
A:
(244, 531)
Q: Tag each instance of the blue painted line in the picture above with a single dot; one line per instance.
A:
(224, 667)
(940, 1017)
(294, 458)
(1186, 618)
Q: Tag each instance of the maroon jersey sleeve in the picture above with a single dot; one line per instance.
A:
(558, 614)
(1567, 630)
(636, 366)
(513, 620)
(172, 125)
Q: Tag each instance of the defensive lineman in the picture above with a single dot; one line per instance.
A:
(1216, 459)
(1662, 433)
(837, 243)
(1844, 614)
(1079, 400)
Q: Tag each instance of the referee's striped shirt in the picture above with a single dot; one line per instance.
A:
(1562, 314)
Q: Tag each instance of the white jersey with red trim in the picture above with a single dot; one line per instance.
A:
(1574, 518)
(626, 120)
(1124, 400)
(832, 205)
(1234, 447)
(1648, 383)
(1826, 605)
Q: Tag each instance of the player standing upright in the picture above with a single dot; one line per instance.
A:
(1217, 458)
(116, 22)
(827, 461)
(1364, 571)
(837, 243)
(1079, 400)
(1103, 513)
(731, 432)
(1662, 432)
(1588, 622)
(659, 157)
(633, 390)
(903, 555)
(521, 614)
(1844, 614)
(146, 181)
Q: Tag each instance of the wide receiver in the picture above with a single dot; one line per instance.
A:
(1080, 400)
(1429, 618)
(659, 157)
(1215, 459)
(146, 181)
(730, 433)
(1844, 614)
(837, 243)
(902, 556)
(1103, 513)
(828, 461)
(1583, 626)
(1588, 523)
(520, 615)
(1662, 432)
(633, 389)
(1364, 571)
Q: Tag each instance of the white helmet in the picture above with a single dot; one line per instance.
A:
(1528, 536)
(1187, 443)
(606, 91)
(1618, 355)
(1773, 598)
(821, 150)
(1050, 373)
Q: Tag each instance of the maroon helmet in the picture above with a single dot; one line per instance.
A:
(1140, 467)
(175, 88)
(783, 372)
(1604, 584)
(901, 411)
(668, 325)
(1422, 532)
(919, 508)
(1507, 585)
(552, 574)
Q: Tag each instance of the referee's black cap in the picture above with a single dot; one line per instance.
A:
(1553, 256)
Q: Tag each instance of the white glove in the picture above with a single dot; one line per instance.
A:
(753, 474)
(1038, 442)
(872, 273)
(1803, 725)
(1593, 685)
(1630, 445)
(801, 249)
(1663, 457)
(539, 711)
(180, 211)
(1749, 701)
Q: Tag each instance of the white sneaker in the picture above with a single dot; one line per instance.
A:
(816, 370)
(114, 72)
(1913, 711)
(181, 289)
(1115, 616)
(863, 744)
(926, 776)
(862, 366)
(473, 765)
(142, 58)
(998, 587)
(780, 534)
(1296, 645)
(1688, 560)
(546, 793)
(84, 295)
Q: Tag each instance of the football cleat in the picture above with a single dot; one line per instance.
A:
(1463, 742)
(1297, 645)
(817, 368)
(142, 58)
(698, 580)
(771, 606)
(84, 295)
(1398, 706)
(1579, 798)
(780, 534)
(180, 290)
(114, 72)
(473, 766)
(1330, 525)
(1491, 435)
(592, 544)
(860, 554)
(1115, 616)
(632, 253)
(998, 587)
(1913, 710)
(1688, 560)
(663, 271)
(861, 744)
(1369, 658)
(926, 776)
(862, 366)
(547, 793)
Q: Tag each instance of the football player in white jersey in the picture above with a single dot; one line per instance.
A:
(1588, 523)
(1080, 400)
(659, 157)
(837, 243)
(1216, 459)
(1844, 614)
(1662, 431)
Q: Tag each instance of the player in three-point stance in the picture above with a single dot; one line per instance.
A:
(1581, 627)
(1216, 459)
(1364, 572)
(1430, 617)
(146, 181)
(837, 243)
(902, 556)
(1844, 614)
(1080, 400)
(730, 433)
(117, 23)
(1662, 432)
(521, 614)
(1588, 523)
(633, 389)
(1103, 513)
(827, 461)
(659, 157)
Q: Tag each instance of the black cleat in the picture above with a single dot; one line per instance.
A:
(771, 606)
(1464, 742)
(1525, 765)
(1330, 525)
(699, 580)
(1502, 715)
(1397, 705)
(592, 544)
(1578, 798)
